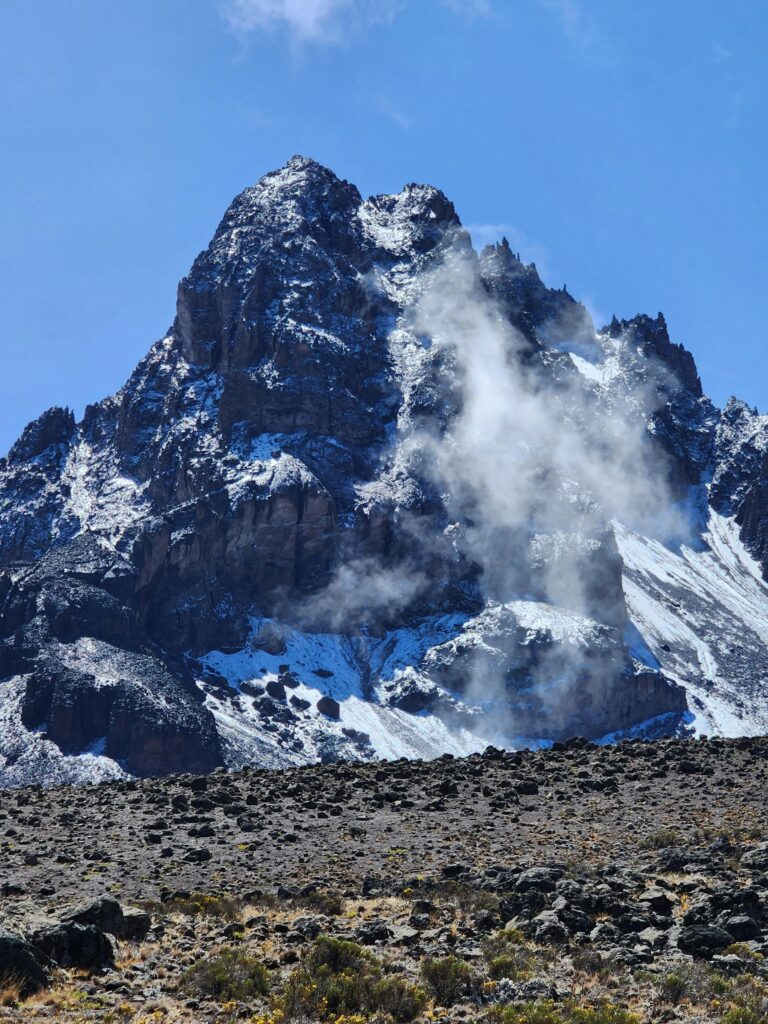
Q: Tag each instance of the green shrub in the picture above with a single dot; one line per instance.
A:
(197, 904)
(231, 974)
(448, 978)
(567, 1013)
(602, 1014)
(526, 1013)
(396, 997)
(323, 902)
(339, 955)
(659, 840)
(339, 978)
(718, 984)
(510, 955)
(742, 1015)
(505, 966)
(674, 987)
(743, 951)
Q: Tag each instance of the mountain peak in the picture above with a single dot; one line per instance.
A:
(259, 511)
(306, 173)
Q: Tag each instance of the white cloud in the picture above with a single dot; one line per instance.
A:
(580, 28)
(571, 18)
(306, 19)
(326, 20)
(469, 8)
(395, 114)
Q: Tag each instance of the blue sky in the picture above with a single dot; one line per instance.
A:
(621, 145)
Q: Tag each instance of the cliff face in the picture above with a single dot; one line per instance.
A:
(268, 514)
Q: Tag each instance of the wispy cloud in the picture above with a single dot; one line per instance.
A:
(304, 19)
(469, 8)
(395, 114)
(579, 27)
(326, 20)
(571, 18)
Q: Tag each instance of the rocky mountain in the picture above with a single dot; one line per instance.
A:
(376, 495)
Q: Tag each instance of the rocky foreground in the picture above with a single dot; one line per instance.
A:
(595, 885)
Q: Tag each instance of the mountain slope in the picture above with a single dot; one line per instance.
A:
(376, 495)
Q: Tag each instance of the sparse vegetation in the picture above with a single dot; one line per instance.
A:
(747, 1001)
(231, 974)
(659, 840)
(339, 932)
(198, 904)
(557, 1013)
(339, 978)
(323, 902)
(675, 987)
(448, 978)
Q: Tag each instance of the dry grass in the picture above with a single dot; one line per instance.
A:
(10, 991)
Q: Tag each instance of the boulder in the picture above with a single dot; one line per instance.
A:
(107, 914)
(547, 928)
(21, 964)
(372, 931)
(756, 858)
(330, 707)
(75, 945)
(658, 900)
(540, 879)
(742, 927)
(276, 689)
(703, 941)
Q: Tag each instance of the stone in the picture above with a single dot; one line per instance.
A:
(703, 940)
(657, 900)
(21, 962)
(540, 879)
(756, 858)
(742, 928)
(654, 937)
(69, 944)
(371, 932)
(547, 928)
(329, 707)
(109, 916)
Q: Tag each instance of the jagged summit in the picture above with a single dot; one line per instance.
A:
(374, 495)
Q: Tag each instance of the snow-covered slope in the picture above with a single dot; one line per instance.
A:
(376, 495)
(703, 611)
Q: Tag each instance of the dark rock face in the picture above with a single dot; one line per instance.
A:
(21, 962)
(251, 457)
(682, 418)
(704, 940)
(130, 703)
(107, 915)
(75, 945)
(540, 313)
